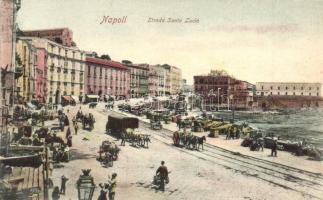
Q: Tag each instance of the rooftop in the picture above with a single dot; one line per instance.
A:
(109, 63)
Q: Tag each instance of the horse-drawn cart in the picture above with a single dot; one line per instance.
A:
(118, 124)
(110, 153)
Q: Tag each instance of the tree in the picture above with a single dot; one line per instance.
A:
(105, 57)
(127, 62)
(73, 44)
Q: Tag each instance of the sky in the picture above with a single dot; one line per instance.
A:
(253, 40)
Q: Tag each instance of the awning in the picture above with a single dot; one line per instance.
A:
(91, 96)
(30, 105)
(68, 98)
(76, 99)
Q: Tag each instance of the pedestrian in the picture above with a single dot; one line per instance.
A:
(123, 139)
(103, 192)
(163, 174)
(55, 193)
(69, 141)
(63, 184)
(112, 186)
(274, 148)
(68, 132)
(76, 128)
(74, 120)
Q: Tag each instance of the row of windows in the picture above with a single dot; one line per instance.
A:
(302, 94)
(294, 88)
(65, 51)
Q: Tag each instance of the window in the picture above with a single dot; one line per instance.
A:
(302, 88)
(294, 88)
(271, 87)
(88, 70)
(286, 93)
(278, 93)
(278, 88)
(309, 88)
(293, 93)
(318, 88)
(310, 94)
(317, 94)
(302, 93)
(65, 53)
(286, 88)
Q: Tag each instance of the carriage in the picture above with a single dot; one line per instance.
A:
(88, 121)
(110, 151)
(118, 124)
(155, 122)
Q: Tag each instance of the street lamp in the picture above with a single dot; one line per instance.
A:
(85, 185)
(232, 107)
(219, 98)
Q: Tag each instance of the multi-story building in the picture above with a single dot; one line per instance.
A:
(8, 10)
(288, 89)
(41, 75)
(175, 80)
(139, 74)
(65, 70)
(159, 83)
(63, 36)
(218, 88)
(27, 54)
(106, 77)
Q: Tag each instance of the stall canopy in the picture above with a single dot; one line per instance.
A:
(76, 99)
(68, 98)
(92, 96)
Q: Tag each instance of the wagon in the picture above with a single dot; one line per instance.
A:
(118, 124)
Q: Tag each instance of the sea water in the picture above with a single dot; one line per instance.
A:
(294, 125)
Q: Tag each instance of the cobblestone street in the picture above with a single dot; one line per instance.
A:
(193, 175)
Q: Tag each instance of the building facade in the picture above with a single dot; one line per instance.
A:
(159, 81)
(65, 69)
(26, 84)
(220, 89)
(288, 89)
(175, 80)
(139, 74)
(63, 36)
(41, 75)
(106, 77)
(8, 10)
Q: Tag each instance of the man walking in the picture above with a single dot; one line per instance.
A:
(63, 184)
(113, 184)
(163, 173)
(274, 148)
(76, 128)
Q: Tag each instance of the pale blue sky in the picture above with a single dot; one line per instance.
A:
(255, 40)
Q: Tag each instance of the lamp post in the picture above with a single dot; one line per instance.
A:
(219, 98)
(85, 185)
(232, 107)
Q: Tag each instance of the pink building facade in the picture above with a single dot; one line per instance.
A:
(106, 77)
(41, 75)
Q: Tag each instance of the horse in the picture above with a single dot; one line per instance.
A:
(200, 141)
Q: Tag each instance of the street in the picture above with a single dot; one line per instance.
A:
(209, 174)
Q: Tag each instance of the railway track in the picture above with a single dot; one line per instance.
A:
(308, 184)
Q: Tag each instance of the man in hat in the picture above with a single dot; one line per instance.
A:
(113, 184)
(163, 173)
(274, 148)
(63, 184)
